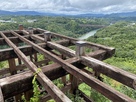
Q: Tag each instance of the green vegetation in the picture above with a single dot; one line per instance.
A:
(36, 90)
(122, 37)
(63, 25)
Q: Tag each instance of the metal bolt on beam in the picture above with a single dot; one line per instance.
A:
(80, 45)
(47, 36)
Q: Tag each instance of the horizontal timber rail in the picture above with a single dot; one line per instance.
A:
(54, 48)
(91, 81)
(45, 82)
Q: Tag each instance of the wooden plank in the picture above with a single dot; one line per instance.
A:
(91, 81)
(1, 96)
(45, 82)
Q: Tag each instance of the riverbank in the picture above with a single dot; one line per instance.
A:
(87, 35)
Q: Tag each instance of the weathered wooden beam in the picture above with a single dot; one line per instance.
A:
(120, 75)
(93, 82)
(23, 81)
(45, 82)
(1, 96)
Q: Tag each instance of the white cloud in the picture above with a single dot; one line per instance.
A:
(70, 6)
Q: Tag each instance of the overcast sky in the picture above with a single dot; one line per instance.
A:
(69, 6)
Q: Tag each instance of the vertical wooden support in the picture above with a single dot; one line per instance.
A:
(79, 52)
(80, 48)
(64, 77)
(74, 84)
(47, 36)
(19, 61)
(12, 66)
(30, 30)
(21, 27)
(35, 57)
(28, 95)
(1, 96)
(31, 57)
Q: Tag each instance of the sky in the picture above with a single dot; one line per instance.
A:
(70, 6)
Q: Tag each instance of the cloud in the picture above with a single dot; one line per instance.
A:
(70, 6)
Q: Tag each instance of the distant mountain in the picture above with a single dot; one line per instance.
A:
(91, 15)
(2, 12)
(126, 14)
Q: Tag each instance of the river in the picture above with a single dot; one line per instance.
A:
(87, 35)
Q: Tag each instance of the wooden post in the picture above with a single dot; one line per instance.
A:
(79, 52)
(64, 77)
(28, 95)
(19, 61)
(31, 57)
(47, 36)
(35, 57)
(21, 27)
(80, 48)
(30, 30)
(74, 84)
(1, 96)
(12, 66)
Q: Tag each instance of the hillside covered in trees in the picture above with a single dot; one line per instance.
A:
(69, 26)
(121, 36)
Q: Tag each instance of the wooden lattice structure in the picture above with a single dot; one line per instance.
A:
(21, 53)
